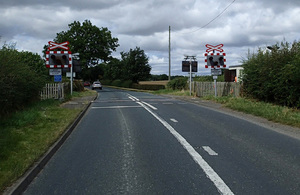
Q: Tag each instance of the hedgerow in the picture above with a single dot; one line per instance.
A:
(274, 76)
(22, 76)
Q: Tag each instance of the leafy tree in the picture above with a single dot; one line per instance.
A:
(114, 70)
(135, 65)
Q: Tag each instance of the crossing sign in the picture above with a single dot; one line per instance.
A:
(53, 45)
(214, 48)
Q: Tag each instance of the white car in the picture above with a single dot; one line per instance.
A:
(96, 84)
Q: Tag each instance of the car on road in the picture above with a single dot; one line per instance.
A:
(86, 84)
(96, 84)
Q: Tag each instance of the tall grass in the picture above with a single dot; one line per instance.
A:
(275, 113)
(27, 134)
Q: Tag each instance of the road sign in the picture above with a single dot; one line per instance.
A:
(68, 74)
(216, 72)
(57, 78)
(64, 59)
(215, 60)
(214, 48)
(53, 45)
(56, 71)
(186, 66)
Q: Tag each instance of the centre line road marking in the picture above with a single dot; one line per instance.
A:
(133, 98)
(210, 173)
(174, 120)
(210, 151)
(149, 105)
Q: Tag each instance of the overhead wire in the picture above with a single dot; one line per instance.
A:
(212, 19)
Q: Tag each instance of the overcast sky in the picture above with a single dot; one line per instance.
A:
(244, 25)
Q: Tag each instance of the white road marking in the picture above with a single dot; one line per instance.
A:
(210, 173)
(174, 120)
(113, 107)
(149, 105)
(210, 151)
(133, 98)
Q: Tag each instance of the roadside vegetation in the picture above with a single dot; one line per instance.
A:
(269, 111)
(26, 135)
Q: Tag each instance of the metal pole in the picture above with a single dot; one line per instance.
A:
(215, 83)
(190, 77)
(71, 79)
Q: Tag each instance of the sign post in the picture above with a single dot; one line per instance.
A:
(215, 61)
(59, 59)
(193, 67)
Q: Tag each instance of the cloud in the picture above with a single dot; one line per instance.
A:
(145, 24)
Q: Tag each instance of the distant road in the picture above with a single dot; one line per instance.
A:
(138, 143)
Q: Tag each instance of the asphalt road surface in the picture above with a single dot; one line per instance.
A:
(138, 143)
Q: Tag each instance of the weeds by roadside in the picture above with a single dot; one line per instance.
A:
(26, 135)
(275, 113)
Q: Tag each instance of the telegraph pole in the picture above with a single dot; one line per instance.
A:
(169, 53)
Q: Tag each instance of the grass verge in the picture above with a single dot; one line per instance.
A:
(27, 135)
(275, 113)
(171, 92)
(271, 112)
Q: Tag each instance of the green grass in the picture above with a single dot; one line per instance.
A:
(171, 92)
(275, 113)
(271, 112)
(26, 135)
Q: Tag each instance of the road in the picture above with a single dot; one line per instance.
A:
(138, 143)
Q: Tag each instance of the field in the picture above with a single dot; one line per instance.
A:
(153, 82)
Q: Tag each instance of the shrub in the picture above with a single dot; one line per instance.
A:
(274, 76)
(78, 85)
(148, 87)
(105, 82)
(178, 83)
(117, 83)
(126, 84)
(20, 81)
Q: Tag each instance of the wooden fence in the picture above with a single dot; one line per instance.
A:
(54, 90)
(223, 89)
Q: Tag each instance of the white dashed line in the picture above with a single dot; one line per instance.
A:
(210, 151)
(174, 120)
(210, 173)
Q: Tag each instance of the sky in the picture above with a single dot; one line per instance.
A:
(240, 25)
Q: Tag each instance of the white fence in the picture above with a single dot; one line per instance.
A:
(223, 89)
(53, 90)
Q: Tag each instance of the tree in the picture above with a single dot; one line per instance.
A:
(88, 40)
(135, 65)
(114, 69)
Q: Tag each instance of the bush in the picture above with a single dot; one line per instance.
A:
(117, 83)
(148, 87)
(20, 81)
(78, 85)
(105, 82)
(178, 83)
(126, 84)
(274, 76)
